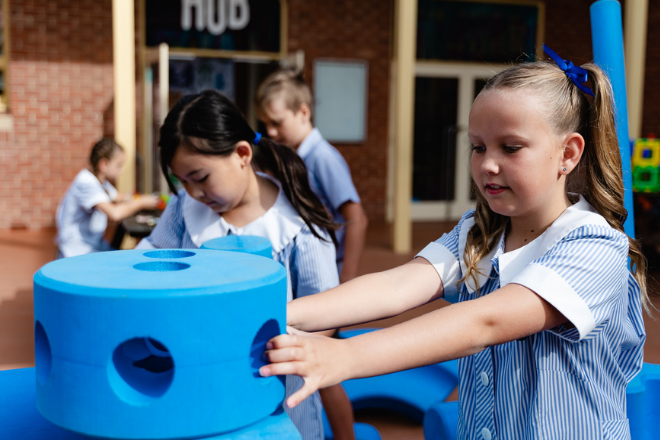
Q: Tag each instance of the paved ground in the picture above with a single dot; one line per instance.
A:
(23, 252)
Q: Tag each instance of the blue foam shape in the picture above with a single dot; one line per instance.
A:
(20, 419)
(201, 318)
(607, 42)
(249, 244)
(409, 392)
(643, 409)
(363, 431)
(441, 421)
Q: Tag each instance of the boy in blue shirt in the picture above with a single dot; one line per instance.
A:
(284, 105)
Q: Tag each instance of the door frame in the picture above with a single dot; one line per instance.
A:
(466, 73)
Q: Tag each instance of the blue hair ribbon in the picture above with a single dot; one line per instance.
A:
(257, 138)
(577, 74)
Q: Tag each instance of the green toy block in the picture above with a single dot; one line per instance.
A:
(646, 179)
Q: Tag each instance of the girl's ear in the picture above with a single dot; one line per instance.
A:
(102, 166)
(573, 149)
(244, 152)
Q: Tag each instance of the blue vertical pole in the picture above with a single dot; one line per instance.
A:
(607, 39)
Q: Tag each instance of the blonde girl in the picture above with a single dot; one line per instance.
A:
(548, 325)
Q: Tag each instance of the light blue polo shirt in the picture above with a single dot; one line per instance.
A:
(330, 178)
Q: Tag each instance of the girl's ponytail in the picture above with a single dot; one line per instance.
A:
(287, 167)
(599, 175)
(210, 123)
(601, 170)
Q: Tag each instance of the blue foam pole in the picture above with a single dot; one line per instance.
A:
(607, 39)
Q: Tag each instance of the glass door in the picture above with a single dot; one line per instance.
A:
(444, 93)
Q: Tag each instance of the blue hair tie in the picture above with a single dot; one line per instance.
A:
(577, 74)
(257, 138)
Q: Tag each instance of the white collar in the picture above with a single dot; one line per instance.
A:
(310, 141)
(511, 263)
(280, 224)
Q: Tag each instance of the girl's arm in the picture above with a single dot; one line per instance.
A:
(367, 298)
(459, 330)
(116, 212)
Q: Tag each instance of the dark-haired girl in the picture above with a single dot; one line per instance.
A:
(210, 148)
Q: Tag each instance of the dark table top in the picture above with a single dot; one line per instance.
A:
(141, 224)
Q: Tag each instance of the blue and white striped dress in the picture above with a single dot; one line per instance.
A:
(568, 382)
(310, 264)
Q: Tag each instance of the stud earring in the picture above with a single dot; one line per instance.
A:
(564, 169)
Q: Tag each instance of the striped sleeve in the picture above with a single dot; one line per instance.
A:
(581, 276)
(313, 266)
(443, 255)
(169, 232)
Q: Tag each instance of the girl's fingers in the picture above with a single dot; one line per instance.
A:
(283, 341)
(300, 395)
(281, 369)
(286, 354)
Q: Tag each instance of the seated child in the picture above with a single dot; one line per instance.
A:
(91, 200)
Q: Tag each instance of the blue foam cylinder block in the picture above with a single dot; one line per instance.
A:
(19, 418)
(157, 344)
(607, 41)
(249, 244)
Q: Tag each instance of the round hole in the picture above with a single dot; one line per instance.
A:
(142, 370)
(42, 353)
(168, 254)
(161, 266)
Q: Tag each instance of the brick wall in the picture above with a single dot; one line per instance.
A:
(61, 88)
(60, 83)
(358, 30)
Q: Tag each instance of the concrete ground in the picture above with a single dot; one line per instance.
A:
(23, 252)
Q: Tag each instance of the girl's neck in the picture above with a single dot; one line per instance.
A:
(524, 230)
(99, 175)
(258, 198)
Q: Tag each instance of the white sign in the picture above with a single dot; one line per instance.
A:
(215, 15)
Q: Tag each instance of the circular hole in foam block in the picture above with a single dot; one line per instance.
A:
(161, 266)
(169, 253)
(142, 370)
(43, 355)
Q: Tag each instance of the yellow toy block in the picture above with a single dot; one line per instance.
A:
(646, 153)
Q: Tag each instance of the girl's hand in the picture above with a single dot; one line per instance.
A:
(319, 360)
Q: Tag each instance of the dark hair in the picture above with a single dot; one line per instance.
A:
(103, 149)
(210, 123)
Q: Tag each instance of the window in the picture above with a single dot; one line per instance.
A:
(479, 31)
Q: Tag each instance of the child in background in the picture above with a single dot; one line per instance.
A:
(548, 328)
(210, 148)
(284, 105)
(91, 200)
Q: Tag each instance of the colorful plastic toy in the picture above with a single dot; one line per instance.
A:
(146, 344)
(646, 153)
(646, 179)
